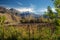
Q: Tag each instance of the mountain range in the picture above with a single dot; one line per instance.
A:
(13, 15)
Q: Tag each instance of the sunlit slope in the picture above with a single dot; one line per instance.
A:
(10, 18)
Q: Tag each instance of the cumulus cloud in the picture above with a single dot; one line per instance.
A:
(45, 10)
(25, 9)
(31, 8)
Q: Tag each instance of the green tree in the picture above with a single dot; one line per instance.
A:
(50, 14)
(57, 7)
(57, 19)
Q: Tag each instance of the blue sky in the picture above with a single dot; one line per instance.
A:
(37, 6)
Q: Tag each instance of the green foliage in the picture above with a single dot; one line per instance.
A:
(57, 3)
(2, 19)
(22, 33)
(50, 13)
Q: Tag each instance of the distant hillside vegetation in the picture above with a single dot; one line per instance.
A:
(10, 18)
(14, 16)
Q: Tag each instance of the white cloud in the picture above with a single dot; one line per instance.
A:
(31, 8)
(45, 10)
(53, 9)
(25, 9)
(19, 3)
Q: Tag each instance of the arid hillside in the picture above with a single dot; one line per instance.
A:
(10, 18)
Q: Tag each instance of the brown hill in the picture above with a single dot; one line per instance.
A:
(10, 18)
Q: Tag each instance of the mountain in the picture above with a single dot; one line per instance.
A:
(14, 16)
(3, 10)
(14, 11)
(26, 14)
(10, 18)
